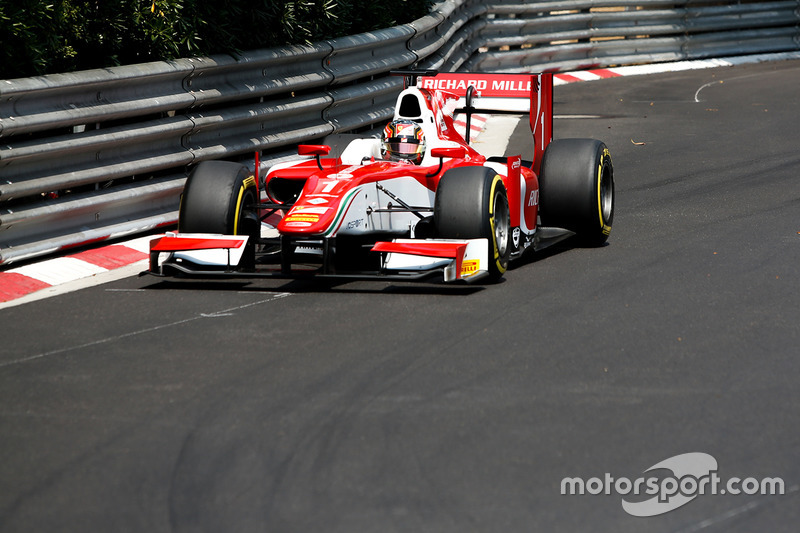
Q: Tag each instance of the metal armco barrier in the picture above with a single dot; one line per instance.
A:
(92, 155)
(578, 34)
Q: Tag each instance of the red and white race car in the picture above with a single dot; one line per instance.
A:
(419, 202)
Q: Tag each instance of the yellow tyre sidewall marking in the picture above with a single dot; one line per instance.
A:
(250, 181)
(500, 267)
(605, 227)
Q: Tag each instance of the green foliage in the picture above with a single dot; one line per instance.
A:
(47, 36)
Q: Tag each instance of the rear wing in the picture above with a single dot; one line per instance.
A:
(499, 94)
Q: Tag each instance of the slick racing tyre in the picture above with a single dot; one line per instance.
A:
(219, 197)
(472, 203)
(576, 186)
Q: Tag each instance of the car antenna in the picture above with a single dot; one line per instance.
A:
(468, 109)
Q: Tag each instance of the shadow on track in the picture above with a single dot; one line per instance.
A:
(301, 286)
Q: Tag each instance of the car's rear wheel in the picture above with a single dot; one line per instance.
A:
(472, 203)
(576, 186)
(219, 197)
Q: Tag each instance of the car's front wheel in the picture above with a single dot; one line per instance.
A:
(472, 203)
(219, 197)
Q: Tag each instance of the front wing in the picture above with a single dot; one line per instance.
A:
(401, 259)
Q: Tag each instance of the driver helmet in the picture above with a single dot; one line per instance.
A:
(403, 140)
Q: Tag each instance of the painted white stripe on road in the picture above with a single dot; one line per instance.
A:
(141, 244)
(224, 312)
(59, 270)
(585, 75)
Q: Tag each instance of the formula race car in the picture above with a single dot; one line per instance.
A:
(419, 202)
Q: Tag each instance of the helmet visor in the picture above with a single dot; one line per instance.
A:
(403, 146)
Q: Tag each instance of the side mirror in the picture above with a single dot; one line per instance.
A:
(456, 152)
(315, 150)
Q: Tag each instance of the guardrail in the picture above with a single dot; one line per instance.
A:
(97, 154)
